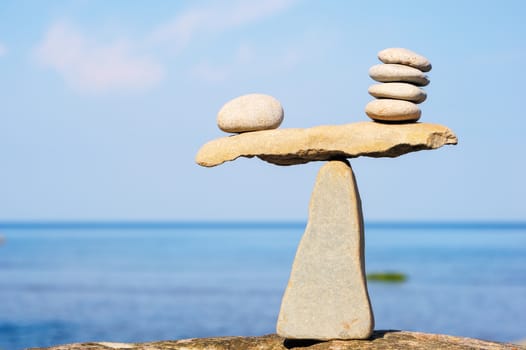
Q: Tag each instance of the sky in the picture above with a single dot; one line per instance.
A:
(104, 104)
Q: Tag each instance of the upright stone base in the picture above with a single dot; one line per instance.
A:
(326, 297)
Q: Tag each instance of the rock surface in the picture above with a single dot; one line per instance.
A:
(405, 57)
(380, 340)
(392, 110)
(398, 91)
(250, 113)
(298, 146)
(386, 73)
(326, 297)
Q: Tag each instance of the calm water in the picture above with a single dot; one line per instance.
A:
(151, 283)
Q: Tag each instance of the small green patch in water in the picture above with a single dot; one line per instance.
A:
(387, 277)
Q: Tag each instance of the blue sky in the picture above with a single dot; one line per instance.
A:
(104, 105)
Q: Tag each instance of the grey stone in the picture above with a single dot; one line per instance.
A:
(398, 91)
(326, 297)
(386, 73)
(389, 110)
(405, 57)
(251, 112)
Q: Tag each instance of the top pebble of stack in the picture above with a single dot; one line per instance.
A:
(405, 57)
(251, 112)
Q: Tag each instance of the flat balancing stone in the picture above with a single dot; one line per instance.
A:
(298, 146)
(326, 297)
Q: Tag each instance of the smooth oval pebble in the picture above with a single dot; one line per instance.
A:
(392, 110)
(398, 91)
(386, 73)
(251, 112)
(406, 57)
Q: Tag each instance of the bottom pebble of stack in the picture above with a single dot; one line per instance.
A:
(389, 110)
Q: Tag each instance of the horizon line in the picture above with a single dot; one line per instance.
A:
(255, 224)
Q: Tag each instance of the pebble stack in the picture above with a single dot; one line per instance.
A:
(401, 77)
(253, 112)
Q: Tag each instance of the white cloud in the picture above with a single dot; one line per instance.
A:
(88, 65)
(252, 60)
(243, 61)
(3, 50)
(214, 19)
(211, 73)
(91, 65)
(217, 73)
(245, 54)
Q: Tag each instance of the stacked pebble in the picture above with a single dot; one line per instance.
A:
(251, 112)
(400, 76)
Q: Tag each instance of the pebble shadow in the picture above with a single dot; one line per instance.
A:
(305, 343)
(300, 343)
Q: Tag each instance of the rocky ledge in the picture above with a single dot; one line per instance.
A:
(297, 146)
(384, 340)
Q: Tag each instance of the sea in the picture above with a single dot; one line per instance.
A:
(137, 282)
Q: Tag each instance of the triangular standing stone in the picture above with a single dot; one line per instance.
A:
(326, 297)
